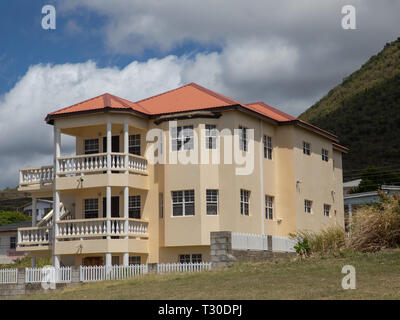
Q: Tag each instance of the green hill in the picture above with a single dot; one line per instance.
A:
(364, 111)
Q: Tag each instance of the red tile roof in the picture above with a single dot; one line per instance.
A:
(190, 97)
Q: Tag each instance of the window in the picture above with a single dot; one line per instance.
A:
(325, 155)
(212, 202)
(306, 148)
(134, 144)
(13, 242)
(243, 138)
(161, 205)
(244, 202)
(269, 207)
(327, 209)
(182, 138)
(91, 146)
(134, 207)
(267, 147)
(307, 206)
(91, 208)
(190, 258)
(183, 203)
(134, 260)
(211, 136)
(115, 260)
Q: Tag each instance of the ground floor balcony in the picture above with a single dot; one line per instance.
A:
(87, 236)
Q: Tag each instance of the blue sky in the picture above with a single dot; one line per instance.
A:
(287, 53)
(25, 43)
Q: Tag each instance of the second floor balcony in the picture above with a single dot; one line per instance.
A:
(84, 164)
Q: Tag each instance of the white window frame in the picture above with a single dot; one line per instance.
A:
(13, 242)
(91, 146)
(190, 258)
(269, 207)
(245, 202)
(306, 148)
(267, 147)
(212, 196)
(134, 260)
(91, 205)
(187, 199)
(134, 143)
(211, 136)
(307, 206)
(134, 206)
(327, 210)
(325, 155)
(182, 138)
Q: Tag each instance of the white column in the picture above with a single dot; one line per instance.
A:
(262, 195)
(56, 261)
(126, 145)
(108, 210)
(56, 211)
(34, 211)
(108, 259)
(126, 259)
(126, 210)
(57, 149)
(109, 146)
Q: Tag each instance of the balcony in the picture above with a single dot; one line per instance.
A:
(83, 164)
(132, 232)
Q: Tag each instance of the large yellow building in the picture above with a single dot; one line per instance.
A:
(151, 179)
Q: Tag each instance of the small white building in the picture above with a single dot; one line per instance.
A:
(43, 207)
(8, 241)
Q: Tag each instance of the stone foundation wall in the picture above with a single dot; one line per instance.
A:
(223, 255)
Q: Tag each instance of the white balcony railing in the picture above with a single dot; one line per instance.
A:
(34, 236)
(36, 175)
(92, 228)
(98, 163)
(88, 163)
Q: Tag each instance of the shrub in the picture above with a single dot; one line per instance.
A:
(328, 240)
(376, 226)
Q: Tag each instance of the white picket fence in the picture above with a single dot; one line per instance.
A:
(101, 273)
(8, 276)
(183, 267)
(48, 274)
(247, 241)
(283, 244)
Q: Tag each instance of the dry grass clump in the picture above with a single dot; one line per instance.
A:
(377, 226)
(374, 227)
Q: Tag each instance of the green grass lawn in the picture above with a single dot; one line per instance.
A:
(377, 277)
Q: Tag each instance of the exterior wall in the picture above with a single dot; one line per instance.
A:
(320, 182)
(169, 236)
(8, 255)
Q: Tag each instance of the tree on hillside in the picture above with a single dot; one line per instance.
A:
(373, 178)
(7, 217)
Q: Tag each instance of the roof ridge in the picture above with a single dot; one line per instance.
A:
(122, 101)
(73, 105)
(160, 94)
(214, 94)
(267, 106)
